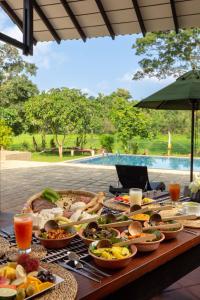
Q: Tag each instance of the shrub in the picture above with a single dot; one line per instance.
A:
(25, 146)
(107, 142)
(5, 134)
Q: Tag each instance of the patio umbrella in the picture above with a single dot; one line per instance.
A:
(183, 94)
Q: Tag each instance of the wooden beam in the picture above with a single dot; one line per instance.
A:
(73, 19)
(174, 15)
(28, 27)
(139, 17)
(7, 39)
(10, 12)
(46, 22)
(105, 18)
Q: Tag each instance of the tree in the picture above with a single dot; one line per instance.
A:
(12, 64)
(167, 53)
(5, 134)
(129, 122)
(56, 111)
(15, 86)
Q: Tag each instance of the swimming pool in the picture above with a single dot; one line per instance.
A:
(152, 162)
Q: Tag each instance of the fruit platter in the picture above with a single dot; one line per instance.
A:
(25, 279)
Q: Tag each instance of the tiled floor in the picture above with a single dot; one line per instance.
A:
(20, 183)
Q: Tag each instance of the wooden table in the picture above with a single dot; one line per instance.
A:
(147, 274)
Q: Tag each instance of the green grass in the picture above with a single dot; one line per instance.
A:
(155, 146)
(48, 157)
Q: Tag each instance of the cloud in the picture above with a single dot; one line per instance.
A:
(127, 77)
(43, 54)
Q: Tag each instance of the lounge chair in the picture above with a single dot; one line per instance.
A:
(134, 177)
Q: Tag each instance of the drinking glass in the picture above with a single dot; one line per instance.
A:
(174, 191)
(23, 227)
(135, 196)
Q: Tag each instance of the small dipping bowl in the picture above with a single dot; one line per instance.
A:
(89, 241)
(56, 243)
(169, 234)
(147, 246)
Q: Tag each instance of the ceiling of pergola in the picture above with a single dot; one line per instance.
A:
(94, 18)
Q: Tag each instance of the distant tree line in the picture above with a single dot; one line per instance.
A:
(63, 111)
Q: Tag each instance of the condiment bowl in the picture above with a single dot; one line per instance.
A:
(55, 243)
(114, 263)
(89, 241)
(147, 246)
(169, 234)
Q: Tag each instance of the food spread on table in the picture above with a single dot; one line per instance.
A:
(59, 215)
(24, 278)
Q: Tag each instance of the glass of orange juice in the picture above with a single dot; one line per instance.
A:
(174, 191)
(23, 227)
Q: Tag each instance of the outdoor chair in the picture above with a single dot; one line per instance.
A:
(134, 177)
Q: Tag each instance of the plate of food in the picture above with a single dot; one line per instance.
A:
(121, 203)
(65, 206)
(25, 279)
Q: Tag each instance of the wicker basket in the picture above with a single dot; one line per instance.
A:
(74, 195)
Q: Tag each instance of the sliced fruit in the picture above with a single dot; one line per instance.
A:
(10, 273)
(19, 281)
(2, 271)
(12, 264)
(21, 294)
(20, 272)
(7, 293)
(33, 274)
(45, 285)
(11, 286)
(4, 280)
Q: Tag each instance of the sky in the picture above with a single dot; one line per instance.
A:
(100, 65)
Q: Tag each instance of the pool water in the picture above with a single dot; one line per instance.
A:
(152, 162)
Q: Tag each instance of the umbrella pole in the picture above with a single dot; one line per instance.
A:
(192, 142)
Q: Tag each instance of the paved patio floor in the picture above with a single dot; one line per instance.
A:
(17, 184)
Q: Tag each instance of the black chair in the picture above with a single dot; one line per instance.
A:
(134, 177)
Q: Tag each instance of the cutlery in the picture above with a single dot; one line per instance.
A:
(79, 266)
(74, 257)
(66, 266)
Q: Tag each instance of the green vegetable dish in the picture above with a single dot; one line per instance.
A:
(50, 195)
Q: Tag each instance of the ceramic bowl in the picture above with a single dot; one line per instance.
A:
(169, 234)
(147, 246)
(150, 246)
(89, 241)
(114, 263)
(56, 243)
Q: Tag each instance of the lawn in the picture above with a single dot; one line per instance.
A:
(155, 146)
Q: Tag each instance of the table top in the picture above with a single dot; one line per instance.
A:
(141, 264)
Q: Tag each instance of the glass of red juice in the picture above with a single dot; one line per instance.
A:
(23, 227)
(174, 191)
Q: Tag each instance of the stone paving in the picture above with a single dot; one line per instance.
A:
(17, 184)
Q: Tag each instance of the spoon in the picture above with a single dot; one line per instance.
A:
(73, 256)
(51, 224)
(136, 228)
(147, 208)
(156, 218)
(107, 243)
